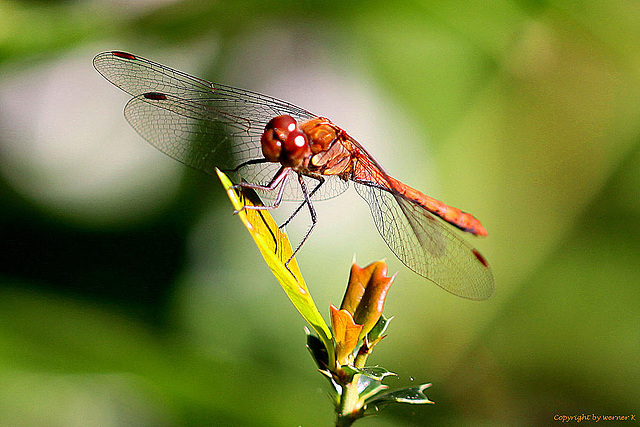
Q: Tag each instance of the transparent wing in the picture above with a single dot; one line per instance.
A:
(422, 241)
(426, 245)
(136, 76)
(202, 124)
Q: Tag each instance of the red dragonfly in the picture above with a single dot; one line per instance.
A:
(268, 141)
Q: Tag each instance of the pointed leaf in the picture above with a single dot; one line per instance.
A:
(346, 333)
(376, 372)
(412, 395)
(318, 351)
(369, 387)
(366, 294)
(380, 328)
(276, 249)
(358, 279)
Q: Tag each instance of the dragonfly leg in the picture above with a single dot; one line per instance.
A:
(304, 202)
(247, 163)
(280, 179)
(312, 212)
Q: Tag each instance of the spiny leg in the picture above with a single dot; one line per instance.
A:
(280, 179)
(312, 212)
(316, 188)
(247, 163)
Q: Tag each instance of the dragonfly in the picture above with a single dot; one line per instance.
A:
(286, 153)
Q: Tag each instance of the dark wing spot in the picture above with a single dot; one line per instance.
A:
(155, 96)
(480, 258)
(123, 55)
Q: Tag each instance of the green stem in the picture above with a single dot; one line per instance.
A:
(350, 407)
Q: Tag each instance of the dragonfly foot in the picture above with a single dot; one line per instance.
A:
(237, 211)
(286, 265)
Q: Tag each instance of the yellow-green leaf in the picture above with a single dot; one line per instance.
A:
(276, 249)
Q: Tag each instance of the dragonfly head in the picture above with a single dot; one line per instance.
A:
(284, 143)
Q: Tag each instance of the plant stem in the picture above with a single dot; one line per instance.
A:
(350, 407)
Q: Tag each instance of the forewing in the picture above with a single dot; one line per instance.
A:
(136, 75)
(202, 124)
(206, 134)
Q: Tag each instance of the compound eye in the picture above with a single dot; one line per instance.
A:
(282, 125)
(296, 148)
(271, 145)
(275, 134)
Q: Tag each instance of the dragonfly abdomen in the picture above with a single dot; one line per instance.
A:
(454, 216)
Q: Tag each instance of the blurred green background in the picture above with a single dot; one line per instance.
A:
(130, 295)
